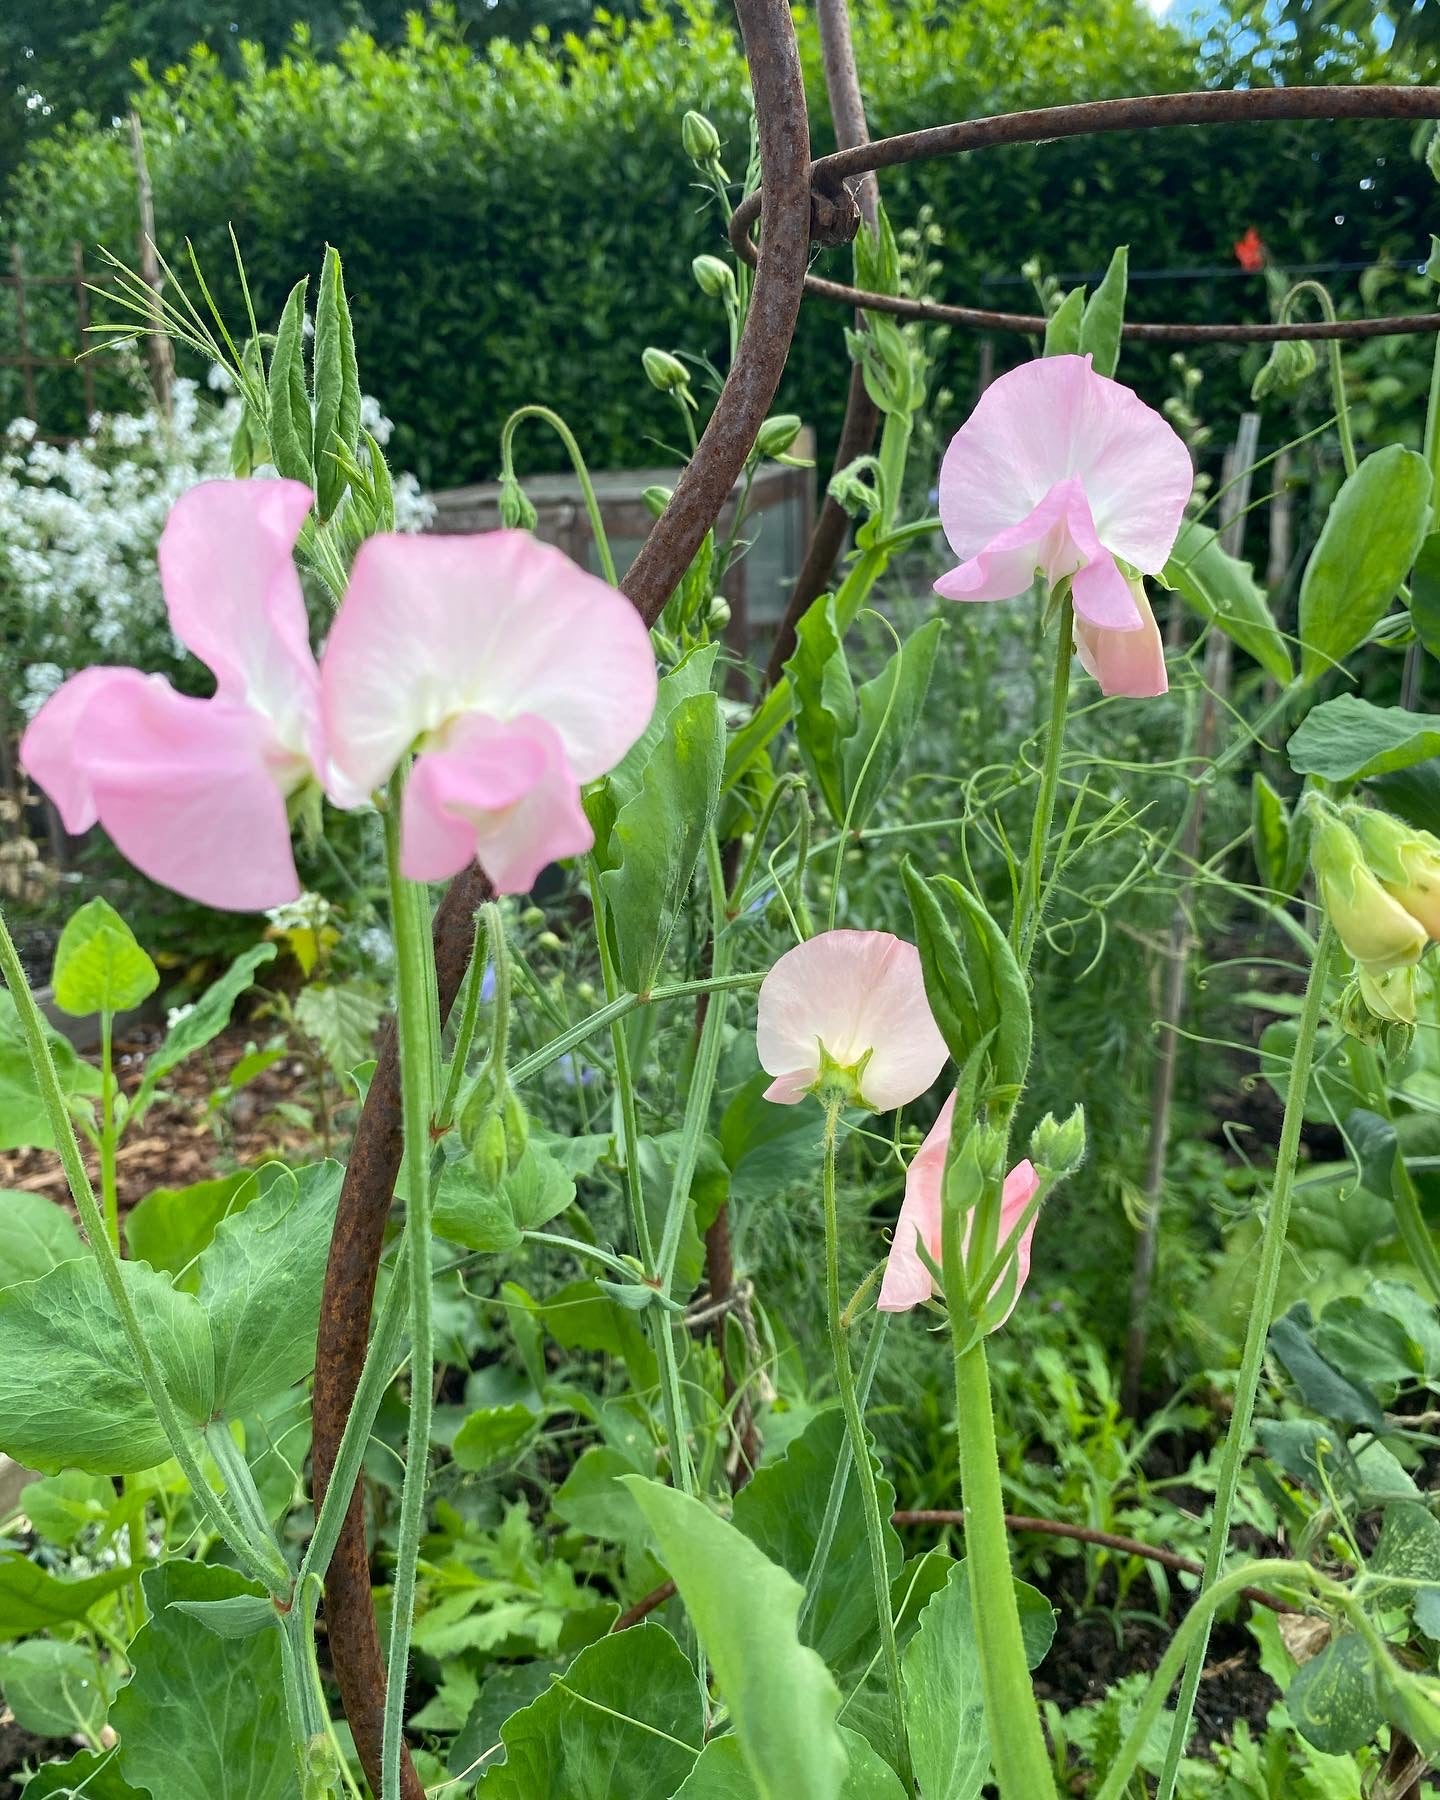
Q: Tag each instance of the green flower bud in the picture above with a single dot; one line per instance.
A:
(776, 435)
(851, 490)
(664, 371)
(1373, 926)
(532, 916)
(714, 278)
(1405, 859)
(494, 1126)
(656, 499)
(547, 940)
(1291, 364)
(699, 137)
(718, 616)
(1057, 1146)
(516, 512)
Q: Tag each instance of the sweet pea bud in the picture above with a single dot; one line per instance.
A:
(1373, 926)
(849, 488)
(699, 137)
(714, 278)
(656, 499)
(1057, 1146)
(494, 1126)
(776, 435)
(664, 371)
(978, 1165)
(1290, 365)
(1380, 1010)
(718, 616)
(1406, 860)
(516, 512)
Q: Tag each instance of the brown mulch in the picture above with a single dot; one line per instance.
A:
(180, 1140)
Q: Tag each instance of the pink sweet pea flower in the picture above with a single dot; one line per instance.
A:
(849, 1001)
(194, 792)
(1065, 473)
(907, 1281)
(515, 676)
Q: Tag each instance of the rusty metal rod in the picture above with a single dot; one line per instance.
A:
(375, 1157)
(1093, 118)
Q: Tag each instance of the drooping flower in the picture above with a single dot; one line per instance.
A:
(907, 1282)
(1405, 860)
(514, 675)
(195, 792)
(1373, 925)
(1066, 474)
(848, 1007)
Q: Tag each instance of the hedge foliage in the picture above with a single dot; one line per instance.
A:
(518, 224)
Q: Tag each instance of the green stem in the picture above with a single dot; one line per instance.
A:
(1194, 1630)
(1027, 920)
(414, 1019)
(577, 462)
(860, 1452)
(840, 1477)
(671, 1398)
(1416, 1234)
(1017, 1744)
(261, 1561)
(894, 452)
(1262, 1306)
(465, 1031)
(109, 1188)
(304, 1696)
(1337, 369)
(239, 1482)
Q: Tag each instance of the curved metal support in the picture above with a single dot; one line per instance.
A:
(374, 1163)
(1046, 124)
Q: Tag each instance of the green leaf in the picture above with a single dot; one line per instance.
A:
(469, 1212)
(581, 1317)
(35, 1235)
(88, 1776)
(628, 1703)
(1425, 594)
(292, 430)
(260, 1283)
(205, 1020)
(887, 711)
(23, 1119)
(32, 1599)
(62, 1506)
(693, 674)
(1347, 739)
(1332, 1700)
(508, 1688)
(53, 1689)
(720, 1774)
(1223, 589)
(1371, 536)
(340, 1019)
(236, 1616)
(592, 1498)
(1322, 1387)
(70, 1396)
(1062, 328)
(944, 1699)
(783, 1700)
(825, 709)
(1409, 1549)
(492, 1435)
(337, 384)
(171, 1226)
(658, 837)
(202, 1716)
(1281, 840)
(781, 1509)
(1104, 316)
(99, 967)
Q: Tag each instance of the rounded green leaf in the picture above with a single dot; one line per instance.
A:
(99, 967)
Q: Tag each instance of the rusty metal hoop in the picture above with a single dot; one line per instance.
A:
(1048, 124)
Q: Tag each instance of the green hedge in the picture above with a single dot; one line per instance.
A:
(518, 225)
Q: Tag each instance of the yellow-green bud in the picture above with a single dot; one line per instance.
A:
(718, 616)
(656, 499)
(1290, 365)
(663, 370)
(516, 512)
(547, 940)
(1406, 861)
(532, 916)
(714, 278)
(776, 435)
(699, 137)
(1057, 1146)
(1373, 926)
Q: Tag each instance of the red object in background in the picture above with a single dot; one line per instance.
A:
(1250, 252)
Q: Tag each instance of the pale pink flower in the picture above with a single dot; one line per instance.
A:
(514, 675)
(1063, 473)
(194, 792)
(855, 1000)
(907, 1281)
